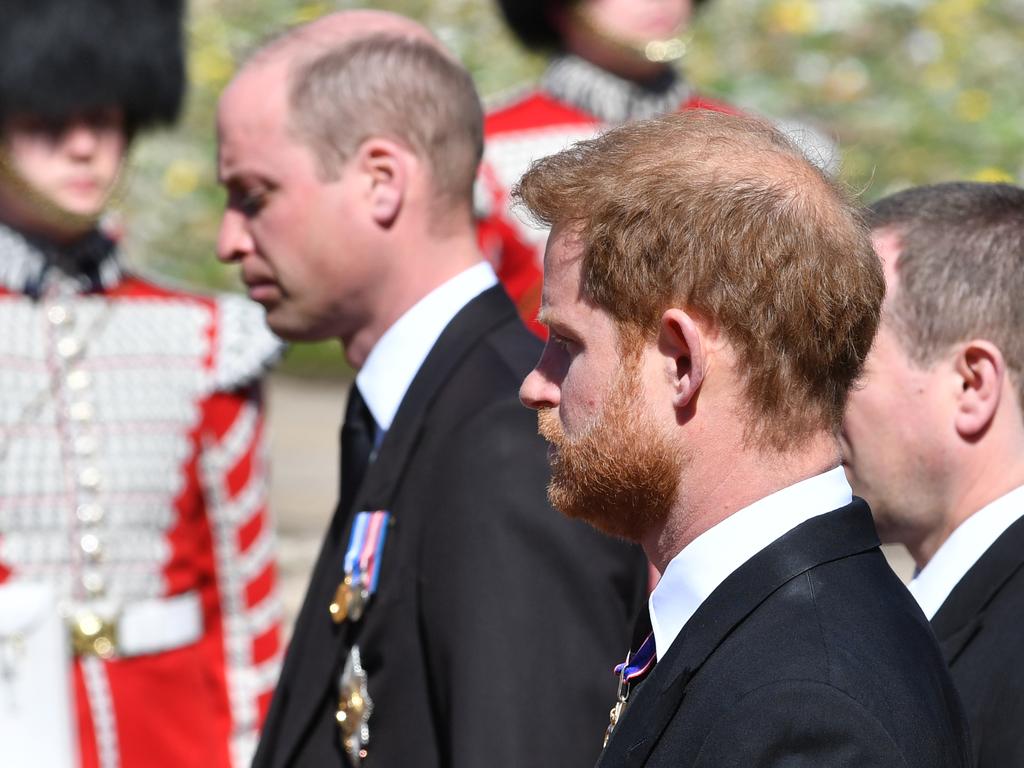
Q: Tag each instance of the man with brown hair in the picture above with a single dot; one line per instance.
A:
(935, 438)
(711, 298)
(438, 630)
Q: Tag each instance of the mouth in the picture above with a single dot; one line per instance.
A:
(82, 185)
(261, 290)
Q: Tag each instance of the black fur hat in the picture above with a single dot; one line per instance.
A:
(59, 57)
(531, 23)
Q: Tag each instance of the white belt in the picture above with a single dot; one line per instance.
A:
(148, 626)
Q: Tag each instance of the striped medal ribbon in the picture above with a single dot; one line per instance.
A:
(362, 566)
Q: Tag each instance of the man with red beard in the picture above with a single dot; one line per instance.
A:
(711, 298)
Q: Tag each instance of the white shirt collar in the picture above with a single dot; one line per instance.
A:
(711, 558)
(963, 548)
(396, 358)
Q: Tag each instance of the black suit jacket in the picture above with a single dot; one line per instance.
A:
(491, 639)
(812, 653)
(980, 628)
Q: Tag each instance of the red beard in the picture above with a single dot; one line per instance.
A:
(621, 474)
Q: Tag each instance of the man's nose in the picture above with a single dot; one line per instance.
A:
(538, 390)
(81, 139)
(233, 238)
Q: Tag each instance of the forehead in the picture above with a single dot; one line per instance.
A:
(562, 269)
(252, 115)
(564, 305)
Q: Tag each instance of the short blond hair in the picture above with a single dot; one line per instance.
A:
(723, 215)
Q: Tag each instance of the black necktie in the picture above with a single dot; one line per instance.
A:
(357, 438)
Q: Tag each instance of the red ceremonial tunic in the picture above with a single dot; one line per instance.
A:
(575, 101)
(133, 480)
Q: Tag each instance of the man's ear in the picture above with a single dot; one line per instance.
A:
(680, 340)
(384, 166)
(981, 370)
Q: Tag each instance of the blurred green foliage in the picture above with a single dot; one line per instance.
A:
(913, 91)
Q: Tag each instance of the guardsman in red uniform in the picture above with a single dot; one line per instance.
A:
(615, 60)
(133, 517)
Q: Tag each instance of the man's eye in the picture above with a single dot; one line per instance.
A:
(42, 128)
(252, 202)
(561, 342)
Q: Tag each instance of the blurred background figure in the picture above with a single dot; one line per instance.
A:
(934, 440)
(133, 522)
(614, 61)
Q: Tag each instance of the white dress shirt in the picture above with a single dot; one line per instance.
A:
(396, 358)
(708, 560)
(963, 548)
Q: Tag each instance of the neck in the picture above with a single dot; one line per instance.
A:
(45, 236)
(709, 494)
(624, 64)
(978, 484)
(418, 267)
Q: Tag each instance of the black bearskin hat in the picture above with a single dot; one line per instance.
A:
(531, 22)
(59, 57)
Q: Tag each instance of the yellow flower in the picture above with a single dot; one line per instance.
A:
(993, 175)
(794, 17)
(211, 65)
(951, 17)
(309, 11)
(181, 179)
(973, 105)
(940, 77)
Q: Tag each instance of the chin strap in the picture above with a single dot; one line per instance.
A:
(655, 51)
(49, 213)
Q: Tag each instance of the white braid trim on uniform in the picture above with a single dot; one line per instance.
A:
(245, 346)
(608, 97)
(101, 706)
(237, 569)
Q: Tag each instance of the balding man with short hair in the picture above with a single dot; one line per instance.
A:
(439, 630)
(934, 440)
(711, 298)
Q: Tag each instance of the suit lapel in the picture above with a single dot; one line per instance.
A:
(488, 310)
(961, 616)
(844, 532)
(323, 642)
(953, 644)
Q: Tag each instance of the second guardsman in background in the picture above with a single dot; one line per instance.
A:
(615, 60)
(134, 532)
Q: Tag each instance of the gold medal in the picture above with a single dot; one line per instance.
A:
(342, 604)
(350, 600)
(613, 719)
